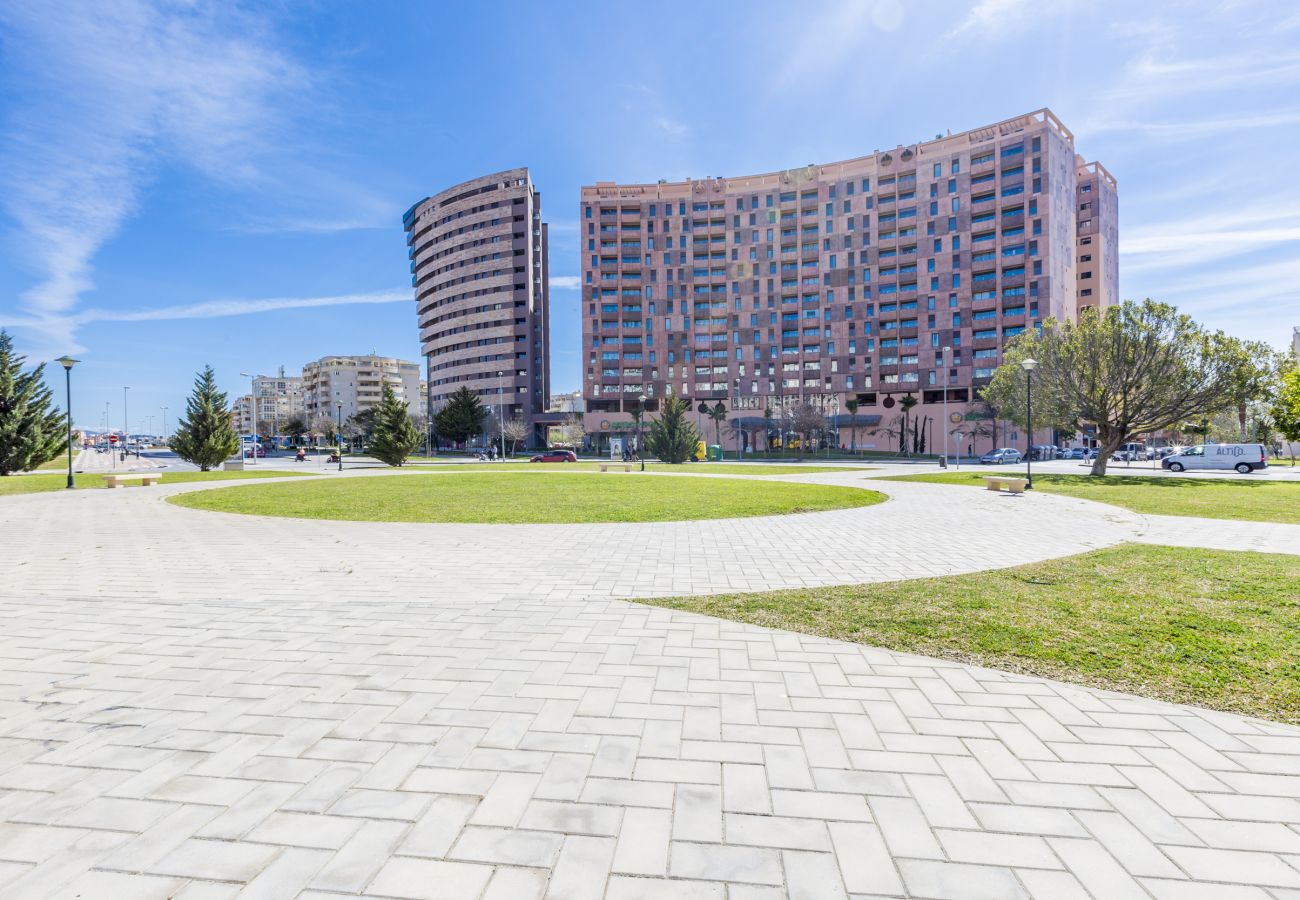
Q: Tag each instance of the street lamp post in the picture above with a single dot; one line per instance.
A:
(501, 415)
(68, 362)
(947, 354)
(252, 413)
(338, 405)
(1028, 365)
(126, 424)
(164, 426)
(740, 432)
(111, 451)
(640, 414)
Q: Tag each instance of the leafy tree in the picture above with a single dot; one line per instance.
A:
(1132, 369)
(1254, 376)
(393, 434)
(32, 432)
(206, 436)
(1199, 429)
(672, 437)
(295, 426)
(462, 418)
(1286, 409)
(362, 424)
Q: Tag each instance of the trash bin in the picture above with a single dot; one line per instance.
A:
(715, 453)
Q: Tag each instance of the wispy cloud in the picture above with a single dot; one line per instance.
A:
(999, 18)
(1191, 129)
(565, 282)
(215, 309)
(113, 92)
(671, 127)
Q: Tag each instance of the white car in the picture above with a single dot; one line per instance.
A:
(1245, 458)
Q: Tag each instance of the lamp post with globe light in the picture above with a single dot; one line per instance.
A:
(68, 362)
(1028, 365)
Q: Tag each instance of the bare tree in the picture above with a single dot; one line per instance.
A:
(807, 420)
(1134, 369)
(515, 430)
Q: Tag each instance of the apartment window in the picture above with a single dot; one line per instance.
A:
(938, 170)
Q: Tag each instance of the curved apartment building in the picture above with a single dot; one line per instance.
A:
(478, 254)
(843, 281)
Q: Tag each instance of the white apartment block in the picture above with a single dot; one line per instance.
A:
(357, 383)
(279, 398)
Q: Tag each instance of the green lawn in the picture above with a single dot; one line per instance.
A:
(537, 498)
(33, 484)
(1240, 498)
(1212, 628)
(718, 468)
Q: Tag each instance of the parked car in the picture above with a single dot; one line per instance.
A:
(560, 456)
(1002, 455)
(248, 452)
(1076, 453)
(1245, 458)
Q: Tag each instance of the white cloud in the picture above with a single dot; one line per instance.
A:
(214, 309)
(111, 93)
(995, 18)
(565, 282)
(671, 127)
(1193, 128)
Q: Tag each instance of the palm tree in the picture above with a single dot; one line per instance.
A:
(767, 429)
(907, 403)
(719, 415)
(852, 406)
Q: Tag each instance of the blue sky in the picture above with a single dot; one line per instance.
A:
(188, 183)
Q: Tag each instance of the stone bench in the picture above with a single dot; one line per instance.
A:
(146, 479)
(1013, 485)
(626, 467)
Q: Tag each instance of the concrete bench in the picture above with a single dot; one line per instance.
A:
(1013, 485)
(145, 479)
(626, 467)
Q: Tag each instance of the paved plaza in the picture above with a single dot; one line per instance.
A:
(201, 705)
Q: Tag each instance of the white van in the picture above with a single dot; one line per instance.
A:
(1245, 458)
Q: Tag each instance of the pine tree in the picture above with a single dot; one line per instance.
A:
(393, 435)
(462, 417)
(673, 439)
(206, 437)
(32, 432)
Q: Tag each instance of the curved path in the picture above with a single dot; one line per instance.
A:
(131, 540)
(198, 705)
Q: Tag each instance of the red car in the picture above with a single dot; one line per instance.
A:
(248, 453)
(555, 456)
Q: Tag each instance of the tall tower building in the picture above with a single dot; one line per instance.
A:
(843, 281)
(478, 254)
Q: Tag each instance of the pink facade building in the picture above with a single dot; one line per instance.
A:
(478, 255)
(842, 281)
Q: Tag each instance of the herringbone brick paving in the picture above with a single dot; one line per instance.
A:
(262, 735)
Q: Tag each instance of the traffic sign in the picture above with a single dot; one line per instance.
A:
(112, 439)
